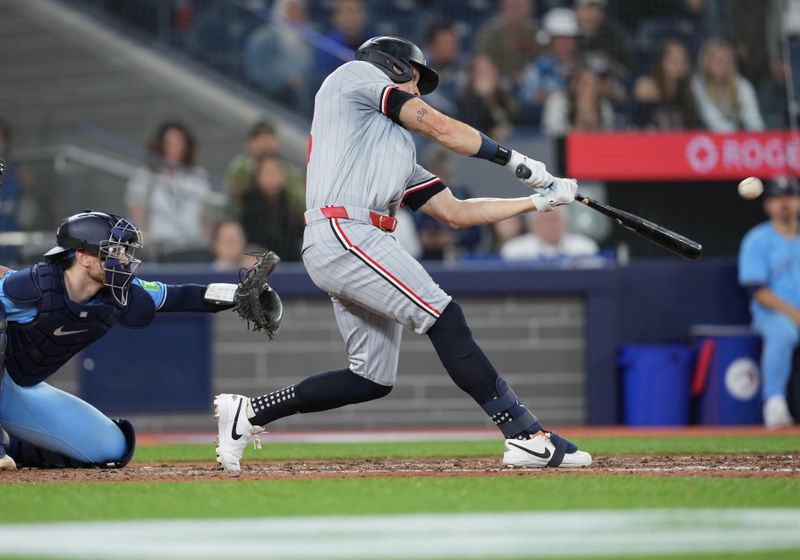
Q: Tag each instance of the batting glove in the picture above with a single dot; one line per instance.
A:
(561, 192)
(539, 178)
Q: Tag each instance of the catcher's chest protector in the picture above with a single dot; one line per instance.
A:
(61, 329)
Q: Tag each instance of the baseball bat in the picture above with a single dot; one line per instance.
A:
(660, 235)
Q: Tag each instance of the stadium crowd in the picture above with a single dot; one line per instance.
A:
(511, 66)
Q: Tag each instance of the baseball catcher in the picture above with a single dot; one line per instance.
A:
(361, 168)
(49, 312)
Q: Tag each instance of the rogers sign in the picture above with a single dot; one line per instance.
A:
(674, 156)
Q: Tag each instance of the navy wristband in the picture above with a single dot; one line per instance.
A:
(492, 151)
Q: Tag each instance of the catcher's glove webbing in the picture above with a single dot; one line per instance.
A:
(255, 300)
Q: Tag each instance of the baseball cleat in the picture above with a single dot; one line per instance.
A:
(7, 462)
(548, 450)
(776, 413)
(234, 430)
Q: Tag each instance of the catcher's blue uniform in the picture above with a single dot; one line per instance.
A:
(45, 328)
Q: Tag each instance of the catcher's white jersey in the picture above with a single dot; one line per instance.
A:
(361, 160)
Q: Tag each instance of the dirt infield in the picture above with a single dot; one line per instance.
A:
(745, 466)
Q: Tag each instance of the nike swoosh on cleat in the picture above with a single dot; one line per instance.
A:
(61, 332)
(234, 435)
(545, 455)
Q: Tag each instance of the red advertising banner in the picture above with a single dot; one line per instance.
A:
(699, 155)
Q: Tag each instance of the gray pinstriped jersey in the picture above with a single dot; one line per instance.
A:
(357, 155)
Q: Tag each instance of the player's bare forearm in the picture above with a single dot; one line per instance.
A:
(420, 117)
(474, 211)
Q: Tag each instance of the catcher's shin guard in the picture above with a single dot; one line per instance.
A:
(29, 455)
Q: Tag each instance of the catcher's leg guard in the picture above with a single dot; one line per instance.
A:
(29, 455)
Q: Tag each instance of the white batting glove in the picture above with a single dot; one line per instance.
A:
(539, 178)
(561, 192)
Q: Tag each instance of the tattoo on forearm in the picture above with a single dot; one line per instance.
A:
(421, 114)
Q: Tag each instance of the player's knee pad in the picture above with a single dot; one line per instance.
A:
(29, 455)
(513, 418)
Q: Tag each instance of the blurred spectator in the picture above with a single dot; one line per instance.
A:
(349, 29)
(547, 237)
(278, 59)
(783, 33)
(504, 231)
(262, 139)
(438, 241)
(443, 53)
(582, 107)
(725, 100)
(485, 104)
(551, 72)
(11, 193)
(600, 36)
(268, 217)
(746, 29)
(509, 39)
(769, 267)
(664, 98)
(167, 197)
(228, 245)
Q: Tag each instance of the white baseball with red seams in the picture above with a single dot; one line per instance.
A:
(361, 160)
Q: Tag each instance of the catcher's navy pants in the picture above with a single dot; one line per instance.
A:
(57, 421)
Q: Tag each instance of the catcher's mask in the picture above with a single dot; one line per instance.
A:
(397, 57)
(110, 238)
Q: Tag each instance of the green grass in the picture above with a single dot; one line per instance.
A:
(364, 496)
(596, 446)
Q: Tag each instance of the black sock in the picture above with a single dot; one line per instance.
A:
(471, 370)
(461, 356)
(321, 391)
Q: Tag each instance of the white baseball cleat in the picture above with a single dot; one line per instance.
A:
(776, 413)
(235, 430)
(7, 462)
(548, 450)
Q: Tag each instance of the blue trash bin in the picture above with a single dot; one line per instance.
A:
(656, 380)
(727, 378)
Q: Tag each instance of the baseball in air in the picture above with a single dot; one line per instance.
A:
(750, 188)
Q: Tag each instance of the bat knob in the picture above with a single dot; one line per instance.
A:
(522, 171)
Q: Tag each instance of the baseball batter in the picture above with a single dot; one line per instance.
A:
(361, 168)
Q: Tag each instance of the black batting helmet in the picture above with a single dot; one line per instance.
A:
(397, 57)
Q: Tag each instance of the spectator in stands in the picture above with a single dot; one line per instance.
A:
(268, 217)
(278, 59)
(601, 37)
(262, 139)
(438, 241)
(12, 185)
(485, 104)
(167, 198)
(504, 231)
(551, 72)
(726, 101)
(229, 245)
(769, 267)
(509, 39)
(349, 30)
(443, 52)
(547, 237)
(582, 107)
(664, 98)
(783, 28)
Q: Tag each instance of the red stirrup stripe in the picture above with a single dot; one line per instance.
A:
(385, 274)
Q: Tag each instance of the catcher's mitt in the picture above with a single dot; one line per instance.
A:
(255, 300)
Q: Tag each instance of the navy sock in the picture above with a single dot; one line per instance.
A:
(468, 366)
(321, 391)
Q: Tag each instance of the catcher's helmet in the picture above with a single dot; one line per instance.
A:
(111, 238)
(397, 57)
